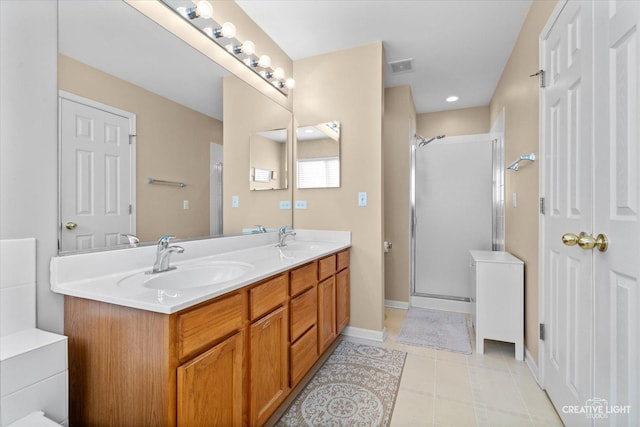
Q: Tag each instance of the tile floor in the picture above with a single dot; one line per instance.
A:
(439, 388)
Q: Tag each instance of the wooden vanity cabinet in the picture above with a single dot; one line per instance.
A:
(333, 297)
(230, 361)
(268, 348)
(210, 386)
(343, 291)
(303, 318)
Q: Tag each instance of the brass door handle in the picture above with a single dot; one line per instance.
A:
(70, 225)
(586, 241)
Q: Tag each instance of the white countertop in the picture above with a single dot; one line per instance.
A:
(495, 256)
(96, 275)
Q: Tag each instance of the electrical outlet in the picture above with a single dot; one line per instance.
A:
(235, 201)
(185, 204)
(301, 204)
(285, 204)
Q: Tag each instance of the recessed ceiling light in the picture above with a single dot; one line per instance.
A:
(308, 131)
(452, 98)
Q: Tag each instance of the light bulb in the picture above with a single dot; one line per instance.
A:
(264, 74)
(278, 73)
(182, 11)
(290, 83)
(228, 30)
(208, 31)
(248, 47)
(264, 61)
(204, 9)
(249, 62)
(278, 84)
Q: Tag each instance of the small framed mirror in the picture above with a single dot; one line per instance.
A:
(268, 160)
(318, 155)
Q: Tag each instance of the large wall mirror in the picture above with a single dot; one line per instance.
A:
(318, 155)
(141, 135)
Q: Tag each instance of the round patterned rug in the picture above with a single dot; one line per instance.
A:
(356, 386)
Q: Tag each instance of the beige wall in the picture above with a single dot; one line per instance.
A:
(466, 121)
(518, 94)
(399, 123)
(347, 86)
(317, 148)
(247, 111)
(172, 143)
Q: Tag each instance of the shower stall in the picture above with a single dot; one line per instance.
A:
(456, 192)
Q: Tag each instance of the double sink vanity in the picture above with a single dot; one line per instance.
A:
(222, 339)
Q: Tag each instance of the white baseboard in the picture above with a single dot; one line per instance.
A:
(367, 334)
(396, 304)
(532, 365)
(441, 304)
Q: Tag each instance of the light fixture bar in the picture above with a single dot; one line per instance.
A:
(224, 35)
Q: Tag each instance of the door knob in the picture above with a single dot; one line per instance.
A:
(586, 241)
(70, 225)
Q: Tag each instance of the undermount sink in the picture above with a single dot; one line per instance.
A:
(189, 276)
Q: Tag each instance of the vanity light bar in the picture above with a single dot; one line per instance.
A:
(200, 17)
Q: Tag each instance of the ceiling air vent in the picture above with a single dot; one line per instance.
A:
(401, 66)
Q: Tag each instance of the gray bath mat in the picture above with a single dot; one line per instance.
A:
(441, 330)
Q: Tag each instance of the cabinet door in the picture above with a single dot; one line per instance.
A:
(210, 386)
(342, 300)
(269, 364)
(326, 313)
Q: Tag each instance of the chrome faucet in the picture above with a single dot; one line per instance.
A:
(283, 232)
(163, 254)
(261, 228)
(133, 240)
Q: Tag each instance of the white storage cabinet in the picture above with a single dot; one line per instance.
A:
(498, 282)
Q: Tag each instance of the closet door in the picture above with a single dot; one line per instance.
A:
(566, 161)
(617, 193)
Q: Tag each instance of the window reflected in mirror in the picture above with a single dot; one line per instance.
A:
(268, 160)
(318, 155)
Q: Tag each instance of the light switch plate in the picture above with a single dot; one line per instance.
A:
(185, 204)
(235, 201)
(301, 204)
(362, 198)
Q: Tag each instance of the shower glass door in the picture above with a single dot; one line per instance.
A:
(453, 213)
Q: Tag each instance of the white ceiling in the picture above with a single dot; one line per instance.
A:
(459, 47)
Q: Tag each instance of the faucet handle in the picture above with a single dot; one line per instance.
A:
(283, 229)
(164, 240)
(261, 228)
(133, 240)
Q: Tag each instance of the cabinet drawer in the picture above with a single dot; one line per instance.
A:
(303, 313)
(304, 354)
(326, 267)
(303, 278)
(343, 260)
(268, 295)
(196, 329)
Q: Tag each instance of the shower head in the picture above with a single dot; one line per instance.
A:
(422, 141)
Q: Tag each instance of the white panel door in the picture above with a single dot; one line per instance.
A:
(617, 191)
(567, 180)
(95, 162)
